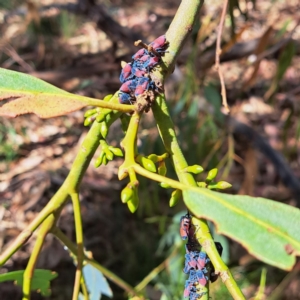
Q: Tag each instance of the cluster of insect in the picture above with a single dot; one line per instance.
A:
(195, 262)
(135, 76)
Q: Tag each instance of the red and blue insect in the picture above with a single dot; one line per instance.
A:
(196, 261)
(193, 286)
(126, 73)
(128, 86)
(159, 44)
(185, 226)
(135, 76)
(125, 98)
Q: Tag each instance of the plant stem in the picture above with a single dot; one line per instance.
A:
(156, 271)
(209, 246)
(29, 271)
(178, 32)
(129, 144)
(71, 184)
(111, 276)
(111, 105)
(79, 241)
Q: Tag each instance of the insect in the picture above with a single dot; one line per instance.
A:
(151, 62)
(201, 260)
(188, 288)
(124, 98)
(143, 84)
(144, 58)
(197, 276)
(126, 73)
(159, 44)
(128, 86)
(137, 72)
(139, 54)
(185, 225)
(196, 296)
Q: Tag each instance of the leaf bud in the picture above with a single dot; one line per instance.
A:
(146, 163)
(202, 184)
(104, 129)
(107, 97)
(221, 185)
(90, 112)
(162, 169)
(165, 185)
(212, 174)
(195, 169)
(153, 157)
(175, 196)
(133, 203)
(109, 154)
(116, 151)
(99, 160)
(127, 194)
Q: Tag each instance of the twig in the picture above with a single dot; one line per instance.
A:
(156, 271)
(218, 53)
(29, 271)
(79, 241)
(114, 278)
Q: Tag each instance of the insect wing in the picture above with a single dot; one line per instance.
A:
(124, 98)
(159, 42)
(126, 73)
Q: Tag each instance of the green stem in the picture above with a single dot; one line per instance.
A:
(178, 32)
(29, 271)
(84, 289)
(113, 104)
(111, 276)
(209, 247)
(71, 184)
(129, 144)
(168, 135)
(155, 271)
(22, 238)
(79, 241)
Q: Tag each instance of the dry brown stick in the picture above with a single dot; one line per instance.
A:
(218, 53)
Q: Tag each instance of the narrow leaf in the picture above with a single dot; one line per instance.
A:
(269, 230)
(22, 94)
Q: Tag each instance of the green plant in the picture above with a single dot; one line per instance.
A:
(268, 230)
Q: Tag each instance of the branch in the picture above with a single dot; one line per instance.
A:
(72, 248)
(218, 53)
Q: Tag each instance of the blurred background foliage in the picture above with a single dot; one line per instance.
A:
(78, 45)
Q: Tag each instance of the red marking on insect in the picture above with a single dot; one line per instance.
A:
(152, 62)
(187, 290)
(201, 261)
(202, 281)
(185, 225)
(159, 43)
(192, 263)
(126, 72)
(201, 277)
(137, 72)
(139, 54)
(128, 86)
(144, 58)
(142, 86)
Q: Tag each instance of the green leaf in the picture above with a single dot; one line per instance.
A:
(269, 230)
(96, 283)
(40, 281)
(26, 94)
